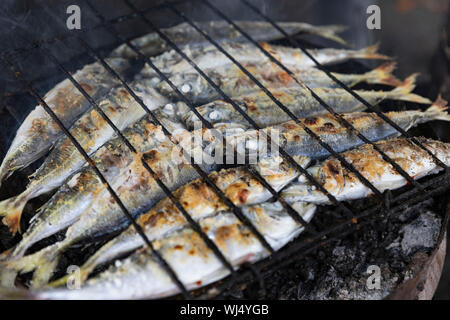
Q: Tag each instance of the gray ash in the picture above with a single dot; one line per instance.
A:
(338, 270)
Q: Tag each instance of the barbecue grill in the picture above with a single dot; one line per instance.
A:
(54, 57)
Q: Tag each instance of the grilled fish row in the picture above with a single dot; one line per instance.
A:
(144, 191)
(141, 276)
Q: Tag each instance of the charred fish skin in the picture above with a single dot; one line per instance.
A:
(344, 185)
(77, 194)
(91, 131)
(184, 34)
(38, 132)
(209, 57)
(184, 247)
(235, 83)
(263, 110)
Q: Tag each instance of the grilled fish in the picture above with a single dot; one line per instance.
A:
(295, 141)
(209, 57)
(140, 276)
(39, 132)
(183, 34)
(91, 131)
(263, 110)
(344, 185)
(234, 82)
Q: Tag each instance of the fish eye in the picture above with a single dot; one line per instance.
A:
(185, 88)
(214, 115)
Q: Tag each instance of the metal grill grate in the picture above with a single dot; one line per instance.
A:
(314, 238)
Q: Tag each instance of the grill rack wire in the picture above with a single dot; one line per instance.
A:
(416, 193)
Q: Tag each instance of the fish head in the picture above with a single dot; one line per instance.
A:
(191, 85)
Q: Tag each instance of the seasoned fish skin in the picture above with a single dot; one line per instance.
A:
(91, 131)
(183, 34)
(39, 132)
(344, 185)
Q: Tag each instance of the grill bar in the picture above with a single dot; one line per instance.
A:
(353, 93)
(55, 118)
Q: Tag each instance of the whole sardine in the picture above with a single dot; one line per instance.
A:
(234, 82)
(141, 276)
(184, 34)
(91, 131)
(294, 140)
(344, 185)
(209, 57)
(263, 110)
(39, 132)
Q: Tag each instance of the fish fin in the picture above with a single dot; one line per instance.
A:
(41, 259)
(11, 210)
(403, 91)
(438, 111)
(383, 75)
(370, 52)
(330, 32)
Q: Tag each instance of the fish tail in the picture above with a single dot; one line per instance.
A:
(330, 32)
(383, 75)
(11, 210)
(438, 111)
(7, 277)
(403, 91)
(7, 293)
(42, 262)
(370, 52)
(44, 272)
